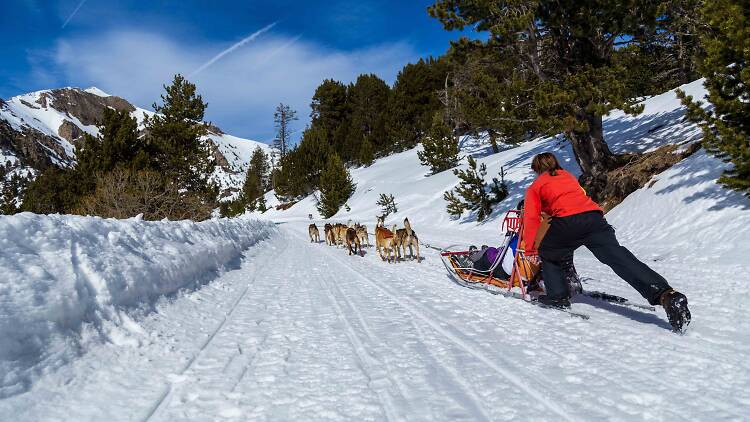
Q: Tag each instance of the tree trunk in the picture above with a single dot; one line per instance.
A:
(593, 156)
(493, 141)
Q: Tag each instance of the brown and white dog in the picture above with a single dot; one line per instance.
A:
(330, 237)
(364, 239)
(384, 239)
(353, 240)
(314, 233)
(339, 231)
(406, 237)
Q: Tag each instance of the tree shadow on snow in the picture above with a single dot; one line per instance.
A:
(702, 168)
(641, 133)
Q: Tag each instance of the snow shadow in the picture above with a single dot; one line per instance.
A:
(703, 169)
(478, 146)
(643, 317)
(646, 132)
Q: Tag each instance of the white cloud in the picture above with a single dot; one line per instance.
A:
(242, 89)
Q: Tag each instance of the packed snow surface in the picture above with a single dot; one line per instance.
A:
(303, 331)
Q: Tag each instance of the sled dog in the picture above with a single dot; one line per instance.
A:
(384, 239)
(364, 239)
(352, 242)
(314, 233)
(330, 237)
(406, 237)
(340, 233)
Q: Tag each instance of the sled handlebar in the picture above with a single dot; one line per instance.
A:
(512, 221)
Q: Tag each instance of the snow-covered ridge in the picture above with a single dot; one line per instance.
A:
(61, 129)
(66, 280)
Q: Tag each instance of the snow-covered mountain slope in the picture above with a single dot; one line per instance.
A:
(43, 127)
(678, 197)
(67, 281)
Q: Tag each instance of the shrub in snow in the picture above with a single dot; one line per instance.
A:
(387, 204)
(336, 186)
(472, 192)
(440, 147)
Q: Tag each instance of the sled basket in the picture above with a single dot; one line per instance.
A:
(524, 274)
(456, 260)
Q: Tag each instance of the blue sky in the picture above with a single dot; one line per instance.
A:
(131, 47)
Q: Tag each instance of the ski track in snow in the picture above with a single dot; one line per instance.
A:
(302, 331)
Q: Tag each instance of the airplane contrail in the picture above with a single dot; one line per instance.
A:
(73, 14)
(232, 48)
(283, 47)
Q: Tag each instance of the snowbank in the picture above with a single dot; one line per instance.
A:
(65, 280)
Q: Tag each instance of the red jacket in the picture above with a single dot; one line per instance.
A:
(557, 196)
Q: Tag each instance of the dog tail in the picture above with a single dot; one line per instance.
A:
(408, 227)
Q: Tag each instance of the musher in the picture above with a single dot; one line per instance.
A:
(578, 221)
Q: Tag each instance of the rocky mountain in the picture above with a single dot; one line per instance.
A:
(43, 128)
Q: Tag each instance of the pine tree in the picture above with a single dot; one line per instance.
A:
(283, 118)
(455, 206)
(368, 103)
(260, 165)
(256, 181)
(472, 192)
(366, 153)
(478, 88)
(175, 133)
(56, 190)
(118, 145)
(13, 186)
(336, 186)
(414, 102)
(261, 204)
(440, 147)
(299, 172)
(665, 55)
(252, 189)
(567, 55)
(329, 106)
(724, 38)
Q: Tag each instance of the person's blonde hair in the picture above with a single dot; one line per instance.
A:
(545, 162)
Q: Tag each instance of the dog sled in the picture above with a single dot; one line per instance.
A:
(506, 271)
(495, 268)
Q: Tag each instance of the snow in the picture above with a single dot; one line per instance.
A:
(24, 110)
(140, 115)
(238, 152)
(295, 330)
(96, 91)
(67, 279)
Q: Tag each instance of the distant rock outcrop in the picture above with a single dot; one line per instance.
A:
(44, 128)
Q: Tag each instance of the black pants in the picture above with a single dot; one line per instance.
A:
(590, 229)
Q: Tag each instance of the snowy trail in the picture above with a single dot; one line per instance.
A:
(302, 331)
